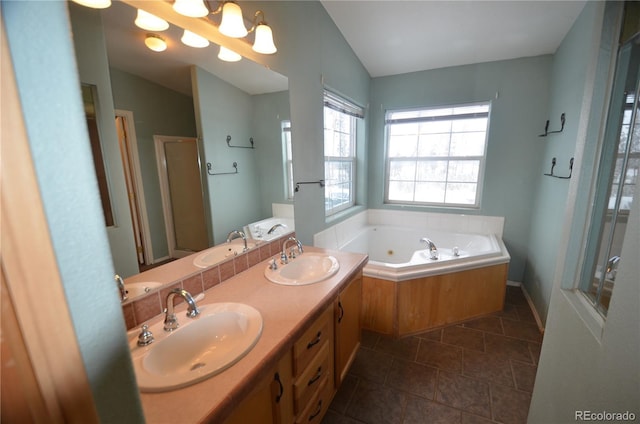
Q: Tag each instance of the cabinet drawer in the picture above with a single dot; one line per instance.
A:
(318, 406)
(308, 383)
(308, 346)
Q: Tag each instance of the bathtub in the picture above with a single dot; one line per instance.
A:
(405, 292)
(396, 253)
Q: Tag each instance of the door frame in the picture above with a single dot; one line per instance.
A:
(165, 194)
(131, 157)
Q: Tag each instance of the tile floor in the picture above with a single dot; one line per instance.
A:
(481, 371)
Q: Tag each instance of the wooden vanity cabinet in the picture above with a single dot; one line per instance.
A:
(347, 327)
(271, 401)
(301, 387)
(313, 367)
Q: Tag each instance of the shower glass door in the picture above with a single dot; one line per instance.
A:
(617, 181)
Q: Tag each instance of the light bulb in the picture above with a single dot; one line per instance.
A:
(228, 55)
(146, 20)
(194, 40)
(232, 23)
(264, 40)
(155, 43)
(191, 8)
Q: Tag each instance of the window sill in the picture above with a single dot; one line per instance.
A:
(586, 311)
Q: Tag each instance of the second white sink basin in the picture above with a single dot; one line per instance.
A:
(201, 347)
(219, 253)
(308, 268)
(135, 290)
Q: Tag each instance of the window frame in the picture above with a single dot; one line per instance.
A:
(452, 117)
(338, 104)
(287, 157)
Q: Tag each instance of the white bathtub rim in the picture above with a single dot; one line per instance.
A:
(392, 272)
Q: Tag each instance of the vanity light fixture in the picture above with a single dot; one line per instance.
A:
(191, 8)
(228, 55)
(232, 23)
(263, 42)
(155, 43)
(194, 40)
(146, 20)
(94, 4)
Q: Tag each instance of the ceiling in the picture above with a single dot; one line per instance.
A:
(389, 37)
(400, 36)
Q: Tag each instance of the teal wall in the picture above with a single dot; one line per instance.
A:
(514, 150)
(571, 65)
(49, 89)
(589, 363)
(157, 110)
(269, 110)
(221, 110)
(312, 53)
(91, 56)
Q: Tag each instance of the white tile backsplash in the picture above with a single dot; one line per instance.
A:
(341, 233)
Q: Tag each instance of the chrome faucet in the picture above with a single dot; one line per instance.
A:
(433, 250)
(234, 235)
(612, 265)
(272, 229)
(292, 255)
(123, 290)
(170, 320)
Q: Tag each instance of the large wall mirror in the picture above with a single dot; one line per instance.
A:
(174, 113)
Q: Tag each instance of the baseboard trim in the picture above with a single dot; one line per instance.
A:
(530, 302)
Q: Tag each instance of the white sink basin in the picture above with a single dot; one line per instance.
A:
(308, 268)
(201, 347)
(219, 253)
(138, 289)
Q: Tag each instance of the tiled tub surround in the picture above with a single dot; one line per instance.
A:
(286, 312)
(343, 232)
(182, 273)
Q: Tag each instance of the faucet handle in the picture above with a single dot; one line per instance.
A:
(146, 337)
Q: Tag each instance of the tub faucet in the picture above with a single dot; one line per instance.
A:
(123, 290)
(292, 255)
(612, 265)
(433, 250)
(234, 235)
(170, 320)
(272, 229)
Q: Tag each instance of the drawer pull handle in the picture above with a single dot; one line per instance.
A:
(316, 341)
(315, 377)
(276, 377)
(341, 312)
(317, 412)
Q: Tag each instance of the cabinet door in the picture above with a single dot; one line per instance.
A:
(347, 324)
(271, 401)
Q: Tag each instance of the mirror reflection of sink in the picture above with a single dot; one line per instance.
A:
(135, 290)
(200, 348)
(308, 268)
(219, 253)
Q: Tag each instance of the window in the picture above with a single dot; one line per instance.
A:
(616, 182)
(288, 158)
(340, 123)
(436, 156)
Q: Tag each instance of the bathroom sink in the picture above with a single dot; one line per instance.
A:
(138, 289)
(200, 348)
(308, 268)
(219, 253)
